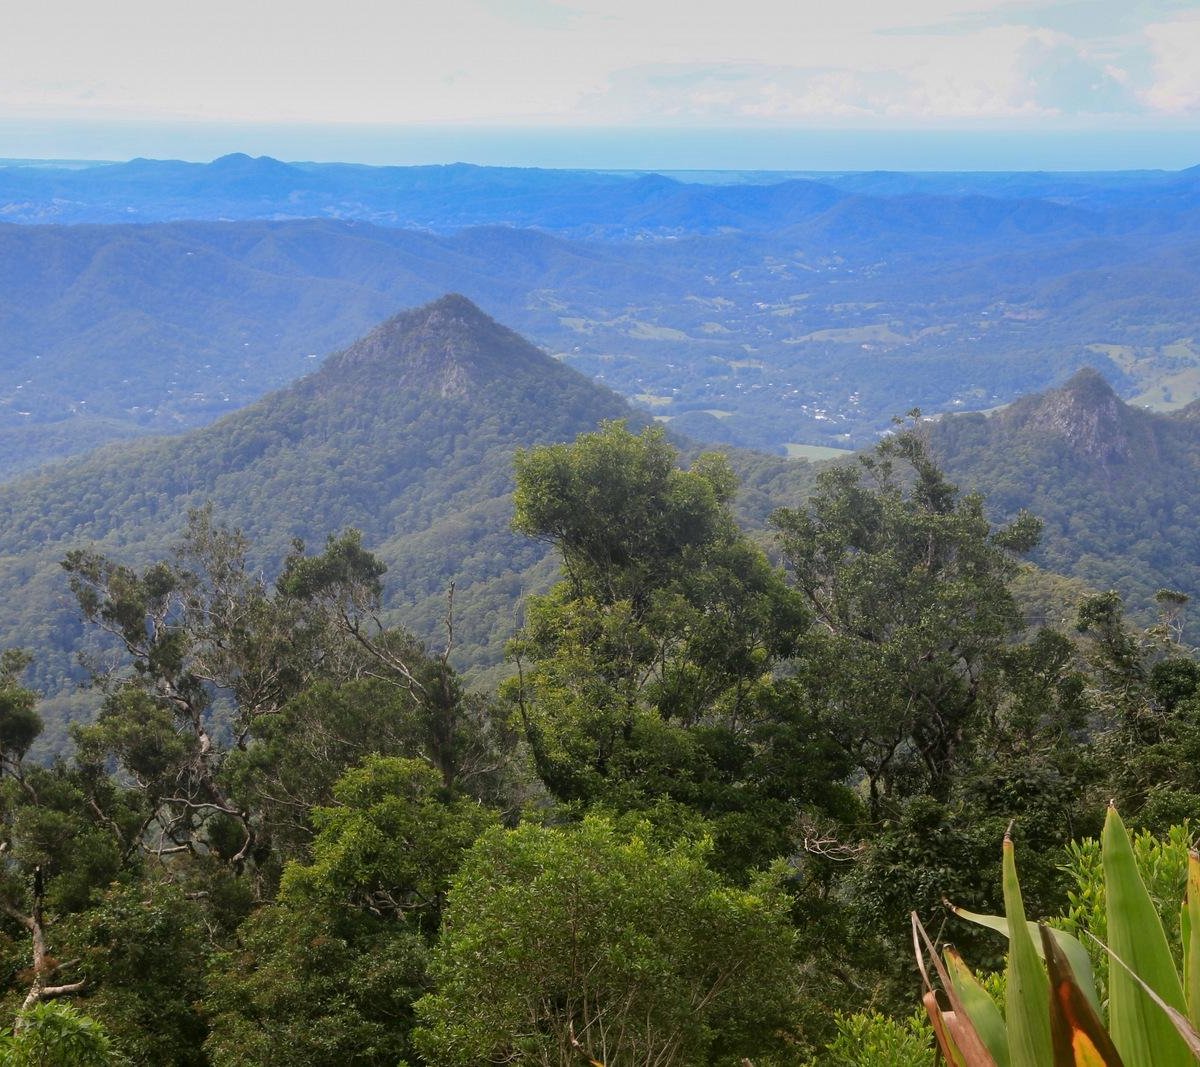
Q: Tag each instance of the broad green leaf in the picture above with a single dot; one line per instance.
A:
(1189, 929)
(1143, 1033)
(1080, 1039)
(1077, 955)
(1028, 987)
(1183, 1028)
(984, 1012)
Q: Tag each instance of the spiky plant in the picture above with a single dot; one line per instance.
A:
(1051, 1014)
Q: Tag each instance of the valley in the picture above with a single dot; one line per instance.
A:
(808, 312)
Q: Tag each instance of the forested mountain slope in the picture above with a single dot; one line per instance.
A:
(1117, 486)
(407, 435)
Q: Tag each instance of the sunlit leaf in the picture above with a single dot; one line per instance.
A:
(1079, 1037)
(1072, 947)
(1184, 1029)
(1028, 991)
(984, 1011)
(1144, 1034)
(1189, 928)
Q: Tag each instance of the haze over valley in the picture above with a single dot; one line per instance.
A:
(777, 316)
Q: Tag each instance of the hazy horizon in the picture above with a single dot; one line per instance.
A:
(612, 84)
(650, 149)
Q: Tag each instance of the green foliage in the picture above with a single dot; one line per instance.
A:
(299, 753)
(1162, 861)
(636, 951)
(52, 838)
(389, 844)
(1052, 1012)
(143, 949)
(20, 724)
(868, 1039)
(954, 718)
(56, 1035)
(251, 847)
(1146, 688)
(621, 514)
(909, 585)
(328, 973)
(309, 988)
(648, 675)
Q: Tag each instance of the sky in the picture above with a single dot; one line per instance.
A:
(702, 83)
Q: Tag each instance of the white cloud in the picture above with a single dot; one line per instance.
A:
(585, 61)
(1175, 45)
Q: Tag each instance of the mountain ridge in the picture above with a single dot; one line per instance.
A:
(1117, 486)
(448, 345)
(408, 434)
(813, 330)
(410, 429)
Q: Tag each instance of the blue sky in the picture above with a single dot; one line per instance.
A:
(1083, 81)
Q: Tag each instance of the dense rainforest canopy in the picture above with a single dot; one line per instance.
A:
(688, 829)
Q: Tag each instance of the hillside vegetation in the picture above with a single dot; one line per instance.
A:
(689, 830)
(407, 435)
(1117, 486)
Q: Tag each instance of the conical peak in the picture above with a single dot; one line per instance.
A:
(451, 322)
(445, 347)
(453, 305)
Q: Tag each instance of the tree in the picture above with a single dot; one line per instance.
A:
(188, 631)
(214, 664)
(622, 515)
(646, 678)
(143, 944)
(56, 850)
(1146, 689)
(20, 724)
(564, 945)
(328, 974)
(462, 735)
(56, 1035)
(909, 586)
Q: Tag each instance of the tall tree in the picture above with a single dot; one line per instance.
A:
(55, 850)
(909, 587)
(646, 677)
(328, 973)
(215, 667)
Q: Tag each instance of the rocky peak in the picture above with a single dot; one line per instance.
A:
(1087, 415)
